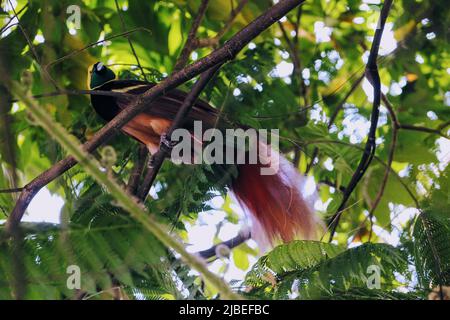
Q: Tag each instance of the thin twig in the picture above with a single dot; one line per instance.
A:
(297, 156)
(6, 122)
(444, 125)
(333, 118)
(297, 71)
(156, 161)
(369, 152)
(390, 108)
(80, 92)
(302, 88)
(231, 18)
(124, 29)
(12, 190)
(423, 129)
(232, 243)
(190, 44)
(386, 173)
(213, 42)
(138, 168)
(297, 25)
(12, 18)
(78, 51)
(129, 203)
(44, 71)
(333, 185)
(312, 162)
(411, 194)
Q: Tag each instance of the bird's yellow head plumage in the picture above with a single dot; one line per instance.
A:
(99, 74)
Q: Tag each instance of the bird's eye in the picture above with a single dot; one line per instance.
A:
(100, 66)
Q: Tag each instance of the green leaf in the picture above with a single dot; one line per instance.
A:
(175, 35)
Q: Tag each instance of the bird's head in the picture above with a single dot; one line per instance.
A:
(100, 74)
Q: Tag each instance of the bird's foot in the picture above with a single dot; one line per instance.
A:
(167, 143)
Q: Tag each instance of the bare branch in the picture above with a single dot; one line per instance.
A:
(423, 129)
(213, 42)
(12, 190)
(232, 243)
(411, 194)
(78, 51)
(333, 118)
(191, 40)
(9, 142)
(339, 107)
(163, 152)
(138, 168)
(369, 152)
(81, 92)
(399, 125)
(44, 71)
(296, 60)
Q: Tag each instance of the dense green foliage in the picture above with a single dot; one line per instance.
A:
(288, 79)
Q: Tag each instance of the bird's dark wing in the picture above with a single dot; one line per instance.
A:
(166, 106)
(148, 126)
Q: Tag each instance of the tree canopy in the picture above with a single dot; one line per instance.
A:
(309, 75)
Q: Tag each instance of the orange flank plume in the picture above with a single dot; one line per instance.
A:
(275, 202)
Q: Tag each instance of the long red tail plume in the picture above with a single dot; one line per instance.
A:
(275, 202)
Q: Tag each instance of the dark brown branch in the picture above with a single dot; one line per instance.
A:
(395, 128)
(163, 152)
(232, 243)
(142, 102)
(369, 152)
(190, 44)
(44, 71)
